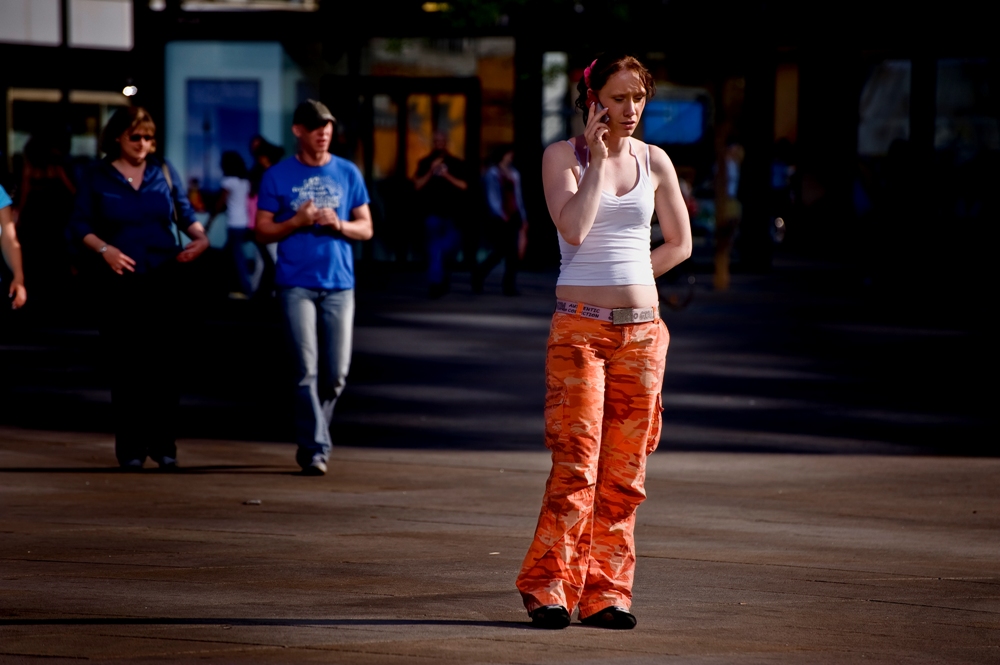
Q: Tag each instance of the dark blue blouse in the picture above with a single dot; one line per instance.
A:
(138, 222)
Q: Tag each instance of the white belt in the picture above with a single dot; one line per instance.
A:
(618, 316)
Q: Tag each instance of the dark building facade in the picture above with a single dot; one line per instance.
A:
(885, 120)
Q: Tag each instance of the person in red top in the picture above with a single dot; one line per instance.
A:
(507, 223)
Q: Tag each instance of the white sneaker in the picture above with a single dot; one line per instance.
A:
(317, 467)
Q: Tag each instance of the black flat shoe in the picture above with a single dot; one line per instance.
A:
(168, 464)
(615, 618)
(552, 617)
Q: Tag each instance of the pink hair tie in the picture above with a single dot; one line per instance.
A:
(586, 72)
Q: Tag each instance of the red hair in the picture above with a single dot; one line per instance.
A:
(604, 67)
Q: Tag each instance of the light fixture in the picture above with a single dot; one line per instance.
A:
(435, 7)
(130, 90)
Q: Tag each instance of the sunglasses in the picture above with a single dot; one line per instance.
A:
(135, 138)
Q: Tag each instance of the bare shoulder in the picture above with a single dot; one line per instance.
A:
(662, 168)
(559, 162)
(559, 154)
(659, 162)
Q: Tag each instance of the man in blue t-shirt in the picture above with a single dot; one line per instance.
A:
(314, 204)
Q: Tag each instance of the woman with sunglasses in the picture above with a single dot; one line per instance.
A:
(606, 352)
(125, 210)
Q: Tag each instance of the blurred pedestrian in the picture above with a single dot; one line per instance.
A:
(783, 177)
(45, 203)
(314, 205)
(234, 200)
(11, 250)
(728, 211)
(125, 207)
(265, 155)
(606, 351)
(441, 183)
(506, 221)
(194, 195)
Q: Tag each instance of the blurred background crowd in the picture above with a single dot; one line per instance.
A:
(838, 133)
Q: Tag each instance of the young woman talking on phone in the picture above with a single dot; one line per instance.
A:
(606, 351)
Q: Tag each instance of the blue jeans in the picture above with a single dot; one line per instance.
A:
(319, 326)
(236, 241)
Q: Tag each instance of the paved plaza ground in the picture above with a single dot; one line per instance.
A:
(819, 496)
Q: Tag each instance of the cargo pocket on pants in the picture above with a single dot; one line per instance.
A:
(555, 407)
(655, 425)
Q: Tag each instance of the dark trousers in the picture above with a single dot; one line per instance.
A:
(443, 242)
(142, 330)
(503, 237)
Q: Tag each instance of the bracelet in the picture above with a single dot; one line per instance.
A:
(103, 249)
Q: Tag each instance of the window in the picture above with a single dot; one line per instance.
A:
(554, 88)
(884, 108)
(36, 111)
(239, 5)
(31, 22)
(966, 119)
(104, 24)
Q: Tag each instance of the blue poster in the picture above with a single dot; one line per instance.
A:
(221, 115)
(673, 121)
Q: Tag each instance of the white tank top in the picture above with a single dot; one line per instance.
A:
(616, 251)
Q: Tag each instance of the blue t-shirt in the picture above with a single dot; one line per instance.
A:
(313, 257)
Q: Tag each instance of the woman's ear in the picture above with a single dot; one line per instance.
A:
(591, 97)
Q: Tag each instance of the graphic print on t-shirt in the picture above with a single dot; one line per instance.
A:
(324, 191)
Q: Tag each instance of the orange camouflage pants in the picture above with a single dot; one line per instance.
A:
(602, 418)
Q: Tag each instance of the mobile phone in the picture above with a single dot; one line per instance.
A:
(601, 107)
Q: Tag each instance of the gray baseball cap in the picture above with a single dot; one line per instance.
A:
(312, 115)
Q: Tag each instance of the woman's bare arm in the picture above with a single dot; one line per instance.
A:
(574, 207)
(671, 212)
(199, 243)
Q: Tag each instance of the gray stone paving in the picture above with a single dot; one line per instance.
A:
(409, 556)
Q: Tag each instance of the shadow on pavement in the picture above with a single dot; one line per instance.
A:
(802, 360)
(187, 470)
(306, 623)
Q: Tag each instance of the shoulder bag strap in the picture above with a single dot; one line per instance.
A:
(582, 151)
(173, 200)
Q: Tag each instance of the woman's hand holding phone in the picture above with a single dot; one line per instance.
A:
(596, 131)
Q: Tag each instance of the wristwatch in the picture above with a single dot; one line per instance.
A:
(103, 249)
